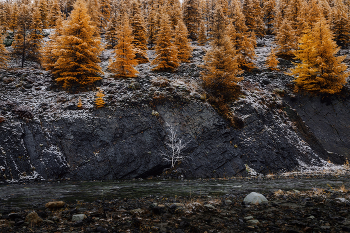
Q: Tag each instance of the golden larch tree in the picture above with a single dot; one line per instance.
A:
(191, 17)
(166, 52)
(3, 54)
(286, 40)
(55, 13)
(243, 40)
(13, 16)
(319, 70)
(35, 36)
(153, 27)
(220, 63)
(21, 39)
(124, 62)
(139, 32)
(50, 50)
(44, 12)
(182, 42)
(111, 32)
(202, 34)
(269, 15)
(175, 12)
(341, 24)
(271, 61)
(78, 50)
(99, 102)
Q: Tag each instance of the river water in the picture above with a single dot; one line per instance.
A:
(35, 195)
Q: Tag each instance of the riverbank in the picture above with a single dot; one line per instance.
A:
(294, 205)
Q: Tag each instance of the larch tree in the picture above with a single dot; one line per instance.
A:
(220, 63)
(314, 14)
(111, 32)
(99, 102)
(13, 16)
(191, 17)
(341, 24)
(243, 40)
(271, 61)
(78, 50)
(55, 13)
(44, 13)
(124, 62)
(139, 33)
(153, 17)
(182, 42)
(254, 17)
(202, 34)
(20, 44)
(105, 9)
(269, 15)
(50, 50)
(3, 18)
(35, 36)
(320, 71)
(166, 52)
(3, 54)
(286, 40)
(175, 13)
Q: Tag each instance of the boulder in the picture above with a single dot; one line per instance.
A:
(254, 198)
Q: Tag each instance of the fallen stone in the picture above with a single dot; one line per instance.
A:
(78, 217)
(254, 198)
(253, 222)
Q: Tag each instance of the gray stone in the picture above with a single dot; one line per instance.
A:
(254, 198)
(78, 217)
(253, 222)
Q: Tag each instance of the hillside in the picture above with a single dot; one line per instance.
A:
(45, 135)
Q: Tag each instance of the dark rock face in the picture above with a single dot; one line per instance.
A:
(128, 143)
(328, 119)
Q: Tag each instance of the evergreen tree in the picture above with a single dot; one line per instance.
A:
(111, 32)
(175, 13)
(192, 17)
(124, 60)
(35, 36)
(55, 13)
(319, 70)
(21, 40)
(182, 43)
(139, 33)
(50, 50)
(202, 36)
(43, 8)
(271, 61)
(341, 24)
(221, 70)
(152, 27)
(254, 17)
(78, 50)
(13, 17)
(243, 41)
(99, 98)
(269, 15)
(219, 24)
(166, 59)
(3, 55)
(105, 9)
(286, 40)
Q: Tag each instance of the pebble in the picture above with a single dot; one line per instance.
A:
(78, 217)
(255, 198)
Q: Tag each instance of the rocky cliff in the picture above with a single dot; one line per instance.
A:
(43, 135)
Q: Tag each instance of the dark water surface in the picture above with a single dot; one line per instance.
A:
(37, 194)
